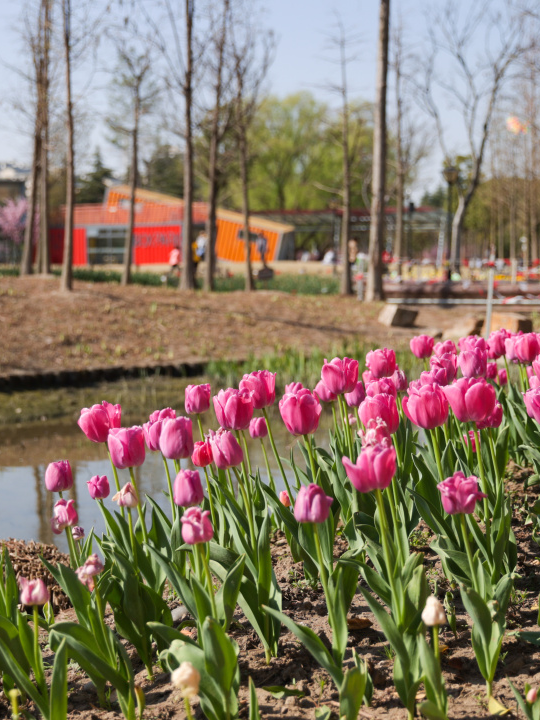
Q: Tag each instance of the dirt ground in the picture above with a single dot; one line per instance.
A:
(100, 325)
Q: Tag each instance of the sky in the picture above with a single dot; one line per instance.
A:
(302, 28)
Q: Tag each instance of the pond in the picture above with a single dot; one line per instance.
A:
(26, 448)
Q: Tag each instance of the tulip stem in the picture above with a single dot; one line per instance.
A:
(38, 658)
(346, 425)
(436, 651)
(276, 455)
(386, 547)
(139, 506)
(99, 602)
(468, 549)
(249, 511)
(243, 463)
(268, 470)
(115, 475)
(311, 458)
(188, 709)
(437, 453)
(246, 450)
(169, 485)
(487, 518)
(199, 423)
(493, 454)
(336, 427)
(73, 556)
(210, 498)
(133, 541)
(201, 547)
(324, 577)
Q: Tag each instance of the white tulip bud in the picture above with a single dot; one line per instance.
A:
(433, 613)
(187, 679)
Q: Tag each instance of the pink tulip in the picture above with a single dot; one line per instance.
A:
(58, 476)
(176, 439)
(196, 526)
(382, 363)
(503, 377)
(531, 696)
(380, 406)
(98, 487)
(340, 375)
(374, 468)
(293, 387)
(446, 362)
(197, 399)
(473, 363)
(284, 498)
(443, 348)
(376, 433)
(526, 347)
(471, 400)
(312, 504)
(433, 377)
(421, 346)
(469, 437)
(126, 497)
(492, 370)
(426, 407)
(400, 380)
(494, 420)
(495, 342)
(233, 408)
(94, 422)
(262, 386)
(300, 412)
(33, 592)
(226, 451)
(115, 414)
(534, 382)
(126, 446)
(202, 454)
(86, 573)
(323, 393)
(368, 377)
(384, 385)
(532, 403)
(536, 366)
(459, 494)
(78, 532)
(258, 428)
(356, 396)
(187, 490)
(152, 429)
(165, 414)
(510, 348)
(351, 419)
(64, 515)
(473, 342)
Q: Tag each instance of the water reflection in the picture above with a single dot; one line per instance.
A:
(27, 506)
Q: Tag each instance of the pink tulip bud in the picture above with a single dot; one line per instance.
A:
(426, 406)
(202, 454)
(187, 489)
(197, 399)
(491, 373)
(494, 420)
(534, 382)
(226, 452)
(374, 468)
(469, 438)
(284, 498)
(443, 348)
(293, 387)
(33, 592)
(536, 366)
(532, 403)
(471, 400)
(64, 515)
(312, 504)
(503, 377)
(368, 377)
(300, 412)
(447, 363)
(234, 409)
(421, 346)
(531, 696)
(98, 487)
(115, 414)
(382, 363)
(262, 386)
(433, 613)
(356, 396)
(473, 342)
(152, 429)
(196, 526)
(510, 348)
(126, 497)
(526, 347)
(340, 375)
(376, 433)
(258, 428)
(78, 532)
(459, 494)
(378, 387)
(400, 380)
(176, 439)
(86, 573)
(126, 446)
(380, 406)
(323, 393)
(495, 343)
(58, 476)
(94, 422)
(351, 418)
(473, 363)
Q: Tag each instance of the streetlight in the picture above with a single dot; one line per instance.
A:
(451, 175)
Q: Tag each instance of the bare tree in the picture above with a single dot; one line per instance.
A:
(476, 81)
(374, 288)
(187, 280)
(44, 45)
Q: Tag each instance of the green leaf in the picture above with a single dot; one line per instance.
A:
(227, 595)
(280, 691)
(431, 711)
(58, 693)
(323, 713)
(351, 693)
(254, 713)
(220, 653)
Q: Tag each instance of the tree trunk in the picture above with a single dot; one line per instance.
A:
(187, 280)
(346, 282)
(242, 144)
(128, 245)
(374, 288)
(66, 280)
(45, 263)
(28, 246)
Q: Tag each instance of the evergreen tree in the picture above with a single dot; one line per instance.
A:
(91, 187)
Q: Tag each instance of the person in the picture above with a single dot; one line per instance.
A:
(201, 241)
(195, 256)
(262, 246)
(352, 246)
(174, 262)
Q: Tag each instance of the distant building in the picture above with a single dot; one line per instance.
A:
(13, 181)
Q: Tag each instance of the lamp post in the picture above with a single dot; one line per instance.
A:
(450, 174)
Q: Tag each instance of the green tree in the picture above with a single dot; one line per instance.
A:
(164, 170)
(91, 187)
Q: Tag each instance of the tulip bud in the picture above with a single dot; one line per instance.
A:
(226, 451)
(58, 476)
(382, 386)
(202, 454)
(86, 573)
(433, 613)
(356, 396)
(94, 422)
(459, 494)
(340, 375)
(426, 406)
(323, 393)
(421, 346)
(312, 504)
(374, 468)
(284, 498)
(262, 386)
(196, 526)
(258, 428)
(382, 363)
(78, 532)
(531, 696)
(187, 679)
(126, 446)
(176, 439)
(98, 487)
(300, 412)
(33, 592)
(126, 497)
(197, 399)
(187, 490)
(233, 408)
(380, 406)
(442, 348)
(64, 516)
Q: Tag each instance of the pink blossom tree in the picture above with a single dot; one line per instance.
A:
(13, 219)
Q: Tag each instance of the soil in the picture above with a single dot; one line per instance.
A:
(101, 325)
(294, 667)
